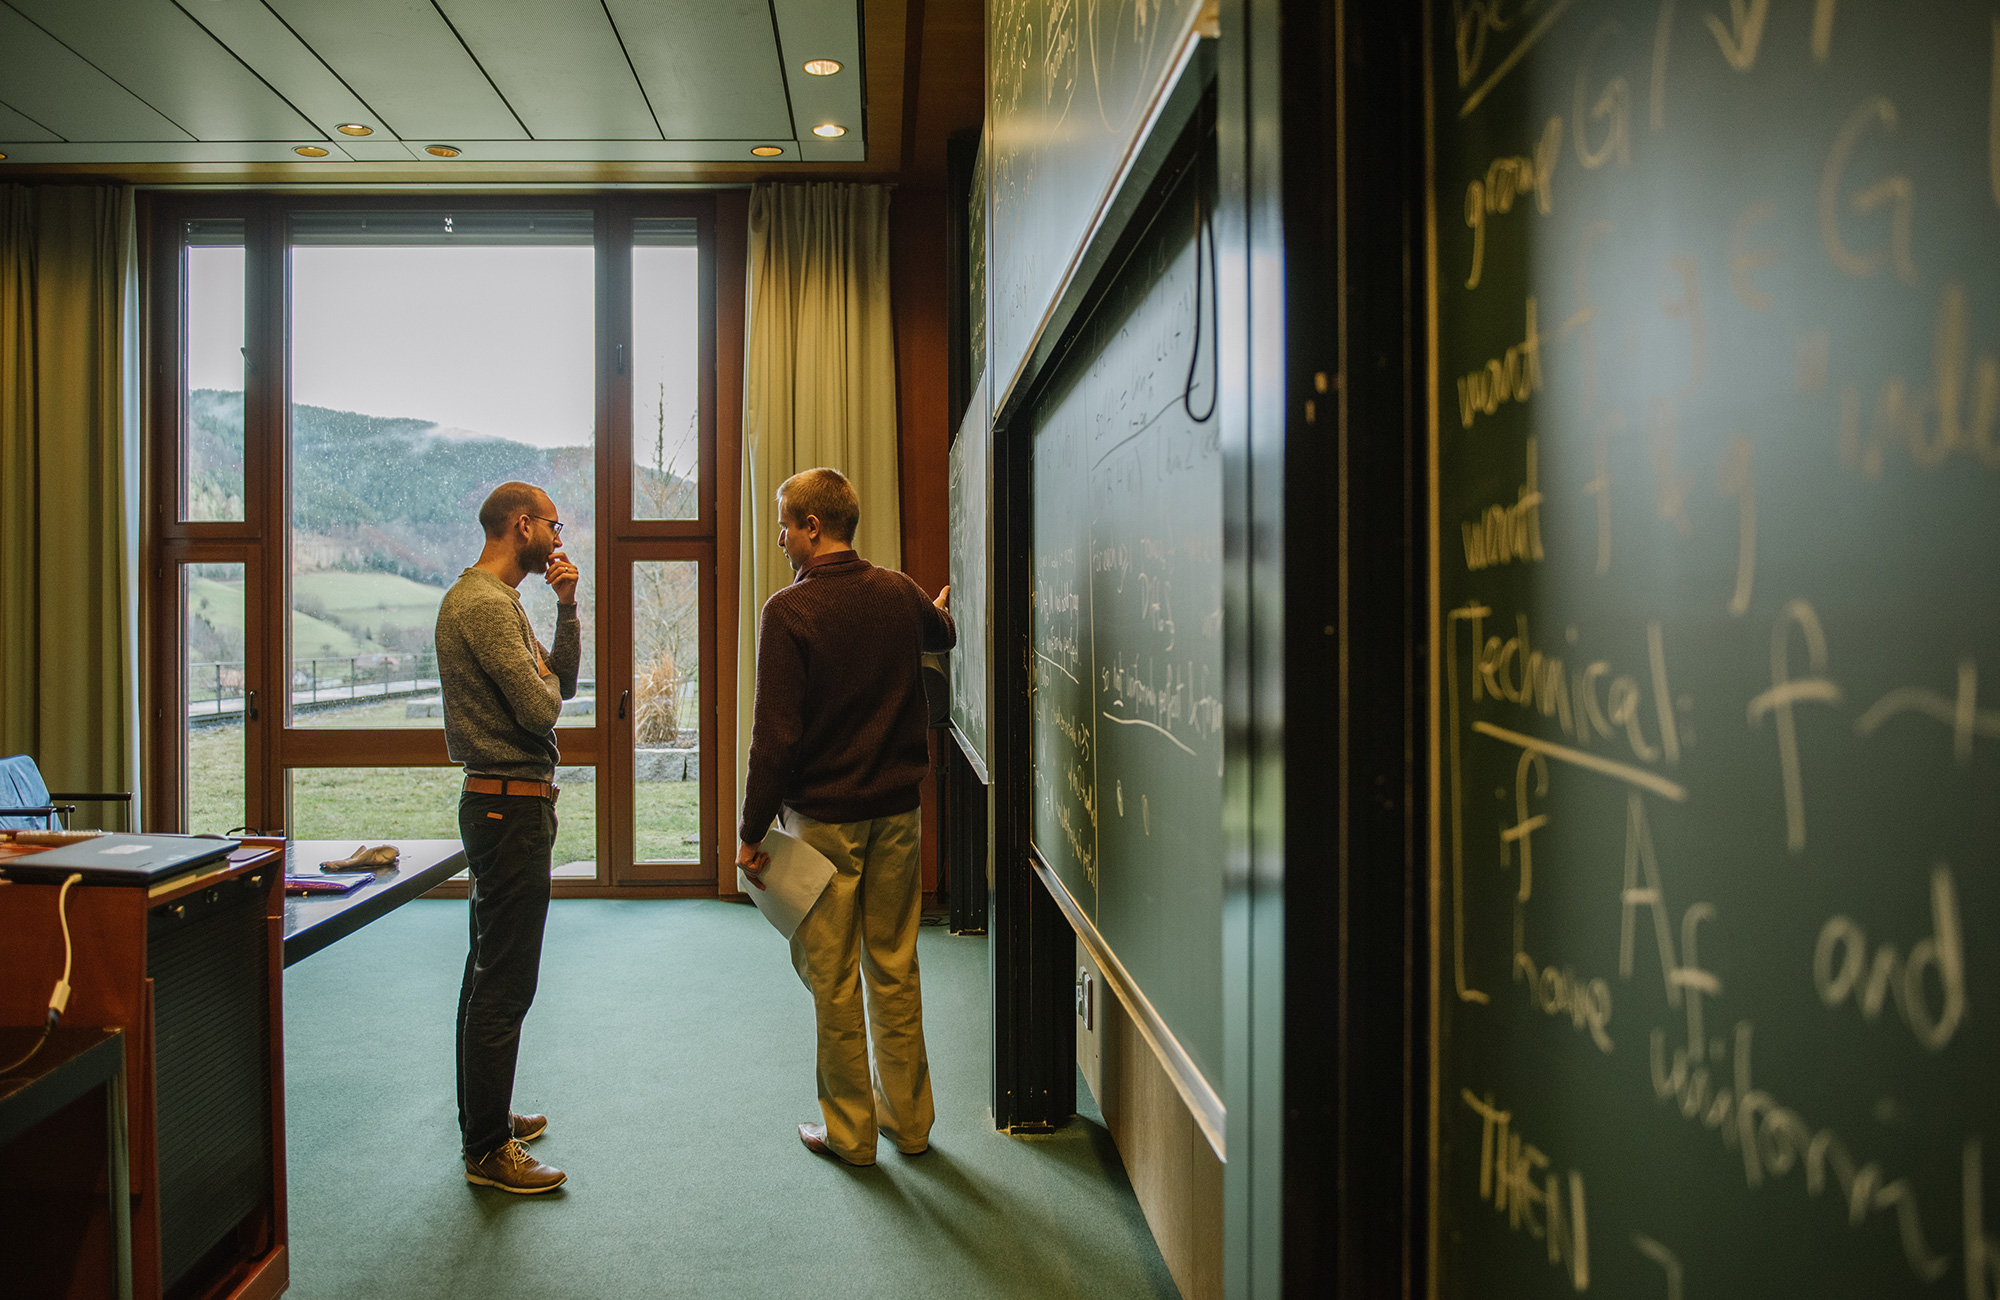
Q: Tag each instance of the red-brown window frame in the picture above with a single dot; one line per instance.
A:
(261, 540)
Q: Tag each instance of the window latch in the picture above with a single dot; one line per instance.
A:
(250, 705)
(621, 358)
(623, 699)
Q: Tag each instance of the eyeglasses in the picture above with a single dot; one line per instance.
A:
(555, 525)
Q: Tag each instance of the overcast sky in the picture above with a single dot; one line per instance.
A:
(494, 341)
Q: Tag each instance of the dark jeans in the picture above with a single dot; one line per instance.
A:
(508, 841)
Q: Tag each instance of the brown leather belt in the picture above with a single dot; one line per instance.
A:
(496, 785)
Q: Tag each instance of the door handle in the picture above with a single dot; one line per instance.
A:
(250, 705)
(623, 699)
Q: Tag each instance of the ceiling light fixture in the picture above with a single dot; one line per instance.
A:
(829, 130)
(822, 67)
(354, 128)
(310, 151)
(762, 151)
(441, 150)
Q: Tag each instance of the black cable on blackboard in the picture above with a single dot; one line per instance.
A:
(1204, 223)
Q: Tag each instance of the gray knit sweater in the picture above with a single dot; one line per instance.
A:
(500, 710)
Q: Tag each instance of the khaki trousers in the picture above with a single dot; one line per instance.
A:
(862, 933)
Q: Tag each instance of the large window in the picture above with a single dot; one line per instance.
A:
(353, 378)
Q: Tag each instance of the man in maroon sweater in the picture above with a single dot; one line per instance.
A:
(837, 749)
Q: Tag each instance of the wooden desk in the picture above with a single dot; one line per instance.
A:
(314, 921)
(51, 1208)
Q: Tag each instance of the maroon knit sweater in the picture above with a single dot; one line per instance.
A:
(840, 715)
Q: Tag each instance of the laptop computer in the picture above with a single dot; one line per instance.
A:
(118, 859)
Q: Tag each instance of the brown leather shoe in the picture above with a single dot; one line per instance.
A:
(512, 1169)
(526, 1128)
(814, 1136)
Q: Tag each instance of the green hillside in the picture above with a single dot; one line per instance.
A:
(215, 627)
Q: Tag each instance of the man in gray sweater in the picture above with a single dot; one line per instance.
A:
(502, 695)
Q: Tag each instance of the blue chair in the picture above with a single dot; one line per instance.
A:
(26, 804)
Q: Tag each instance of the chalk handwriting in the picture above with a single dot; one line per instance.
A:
(1583, 705)
(1474, 613)
(1773, 1140)
(1669, 1262)
(1841, 969)
(1656, 100)
(1784, 695)
(1894, 191)
(1822, 30)
(1506, 180)
(1982, 1250)
(1930, 425)
(1613, 107)
(1507, 533)
(1508, 1170)
(1561, 992)
(1742, 34)
(1511, 377)
(1962, 714)
(1474, 20)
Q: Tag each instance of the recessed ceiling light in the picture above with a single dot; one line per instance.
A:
(829, 130)
(354, 128)
(762, 151)
(822, 67)
(441, 150)
(310, 151)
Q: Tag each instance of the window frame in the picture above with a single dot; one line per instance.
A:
(262, 539)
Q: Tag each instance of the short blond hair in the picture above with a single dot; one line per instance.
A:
(825, 494)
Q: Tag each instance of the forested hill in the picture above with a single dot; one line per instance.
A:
(360, 469)
(385, 494)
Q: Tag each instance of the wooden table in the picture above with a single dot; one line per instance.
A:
(48, 1200)
(313, 922)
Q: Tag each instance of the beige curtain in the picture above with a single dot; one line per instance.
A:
(66, 628)
(819, 383)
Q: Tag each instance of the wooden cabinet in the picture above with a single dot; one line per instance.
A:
(192, 972)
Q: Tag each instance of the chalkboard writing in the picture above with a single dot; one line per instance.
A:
(971, 468)
(1715, 416)
(1126, 627)
(1070, 84)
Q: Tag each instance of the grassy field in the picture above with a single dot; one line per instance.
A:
(372, 600)
(220, 605)
(378, 803)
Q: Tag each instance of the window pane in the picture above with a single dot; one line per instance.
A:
(421, 803)
(666, 369)
(666, 717)
(434, 356)
(212, 649)
(212, 371)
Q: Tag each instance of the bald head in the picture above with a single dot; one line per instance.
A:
(508, 502)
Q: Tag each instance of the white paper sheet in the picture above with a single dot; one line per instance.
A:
(797, 876)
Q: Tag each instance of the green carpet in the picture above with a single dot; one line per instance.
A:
(672, 1047)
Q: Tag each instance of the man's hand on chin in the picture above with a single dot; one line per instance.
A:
(752, 861)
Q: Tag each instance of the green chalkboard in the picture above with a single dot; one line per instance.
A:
(1715, 358)
(1126, 716)
(1071, 93)
(969, 517)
